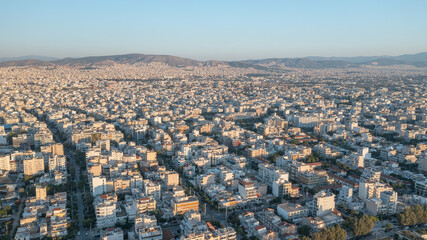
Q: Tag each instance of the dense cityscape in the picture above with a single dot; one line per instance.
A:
(155, 151)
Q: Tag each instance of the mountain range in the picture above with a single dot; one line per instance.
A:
(35, 57)
(418, 60)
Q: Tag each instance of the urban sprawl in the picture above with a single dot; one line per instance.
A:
(150, 151)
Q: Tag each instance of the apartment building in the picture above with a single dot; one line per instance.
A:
(247, 190)
(180, 205)
(291, 211)
(323, 204)
(33, 166)
(105, 210)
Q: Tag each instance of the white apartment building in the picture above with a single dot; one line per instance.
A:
(205, 180)
(292, 212)
(247, 190)
(99, 185)
(282, 187)
(269, 173)
(57, 162)
(105, 213)
(385, 205)
(5, 162)
(345, 195)
(171, 179)
(152, 189)
(368, 190)
(323, 204)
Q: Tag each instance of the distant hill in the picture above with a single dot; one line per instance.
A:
(127, 59)
(418, 57)
(30, 62)
(300, 63)
(411, 58)
(34, 57)
(419, 60)
(386, 62)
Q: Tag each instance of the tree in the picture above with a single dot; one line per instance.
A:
(334, 233)
(389, 226)
(348, 223)
(52, 189)
(425, 214)
(276, 200)
(95, 137)
(340, 233)
(419, 213)
(374, 219)
(216, 223)
(81, 184)
(397, 186)
(10, 137)
(5, 211)
(89, 199)
(87, 222)
(413, 215)
(31, 191)
(311, 159)
(362, 226)
(304, 230)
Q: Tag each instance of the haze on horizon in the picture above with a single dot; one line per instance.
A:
(223, 30)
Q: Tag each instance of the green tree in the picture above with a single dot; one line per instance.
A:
(419, 213)
(334, 233)
(89, 199)
(81, 184)
(389, 226)
(374, 219)
(87, 222)
(362, 226)
(5, 211)
(10, 136)
(425, 214)
(304, 230)
(95, 137)
(413, 215)
(397, 186)
(5, 237)
(31, 191)
(311, 159)
(340, 233)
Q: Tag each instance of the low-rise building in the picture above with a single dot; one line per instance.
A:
(180, 205)
(291, 211)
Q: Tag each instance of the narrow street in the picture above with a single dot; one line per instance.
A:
(78, 194)
(16, 215)
(84, 234)
(211, 214)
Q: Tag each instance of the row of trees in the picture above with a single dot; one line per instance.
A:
(334, 233)
(5, 211)
(413, 215)
(312, 158)
(51, 189)
(359, 226)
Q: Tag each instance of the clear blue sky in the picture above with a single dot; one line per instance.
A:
(204, 29)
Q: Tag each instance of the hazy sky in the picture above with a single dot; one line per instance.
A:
(222, 30)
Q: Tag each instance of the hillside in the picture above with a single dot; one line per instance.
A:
(418, 60)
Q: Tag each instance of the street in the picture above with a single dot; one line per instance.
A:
(84, 234)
